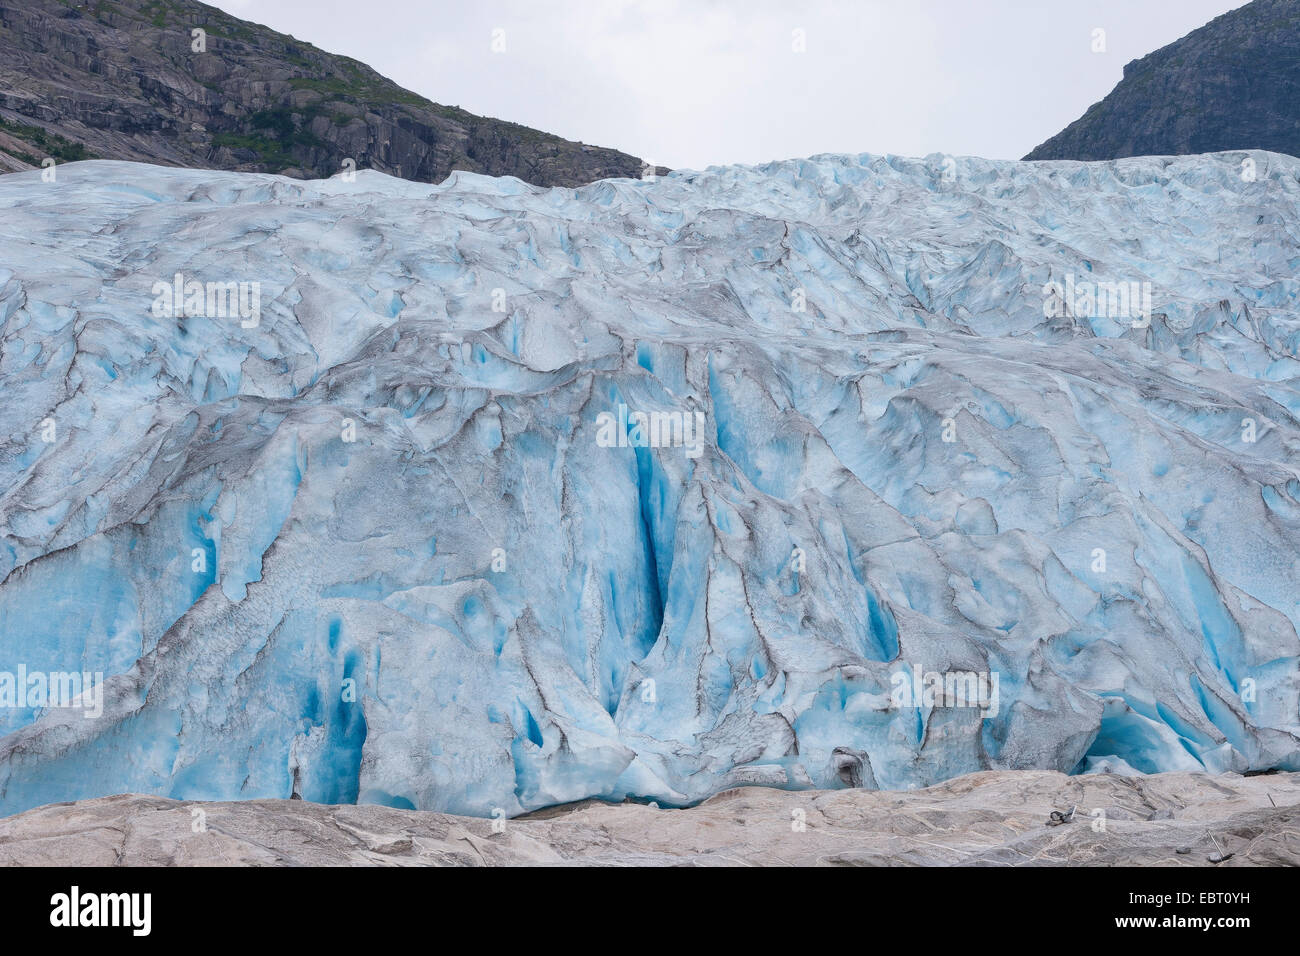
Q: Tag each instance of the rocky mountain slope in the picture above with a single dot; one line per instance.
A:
(996, 818)
(121, 80)
(1232, 84)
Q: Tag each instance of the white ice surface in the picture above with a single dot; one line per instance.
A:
(371, 561)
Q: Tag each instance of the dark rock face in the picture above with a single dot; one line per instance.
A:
(122, 80)
(1232, 84)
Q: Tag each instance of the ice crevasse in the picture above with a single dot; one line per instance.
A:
(401, 534)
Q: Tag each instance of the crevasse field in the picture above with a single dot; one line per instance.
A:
(370, 544)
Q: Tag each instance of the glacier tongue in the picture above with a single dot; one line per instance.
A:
(399, 534)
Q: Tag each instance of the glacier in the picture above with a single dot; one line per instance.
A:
(494, 497)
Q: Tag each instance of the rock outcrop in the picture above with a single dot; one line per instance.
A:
(125, 80)
(997, 818)
(1232, 84)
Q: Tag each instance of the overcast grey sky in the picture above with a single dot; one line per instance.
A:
(693, 83)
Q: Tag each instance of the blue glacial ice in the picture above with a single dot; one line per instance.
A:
(378, 544)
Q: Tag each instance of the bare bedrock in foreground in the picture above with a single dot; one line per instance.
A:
(995, 818)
